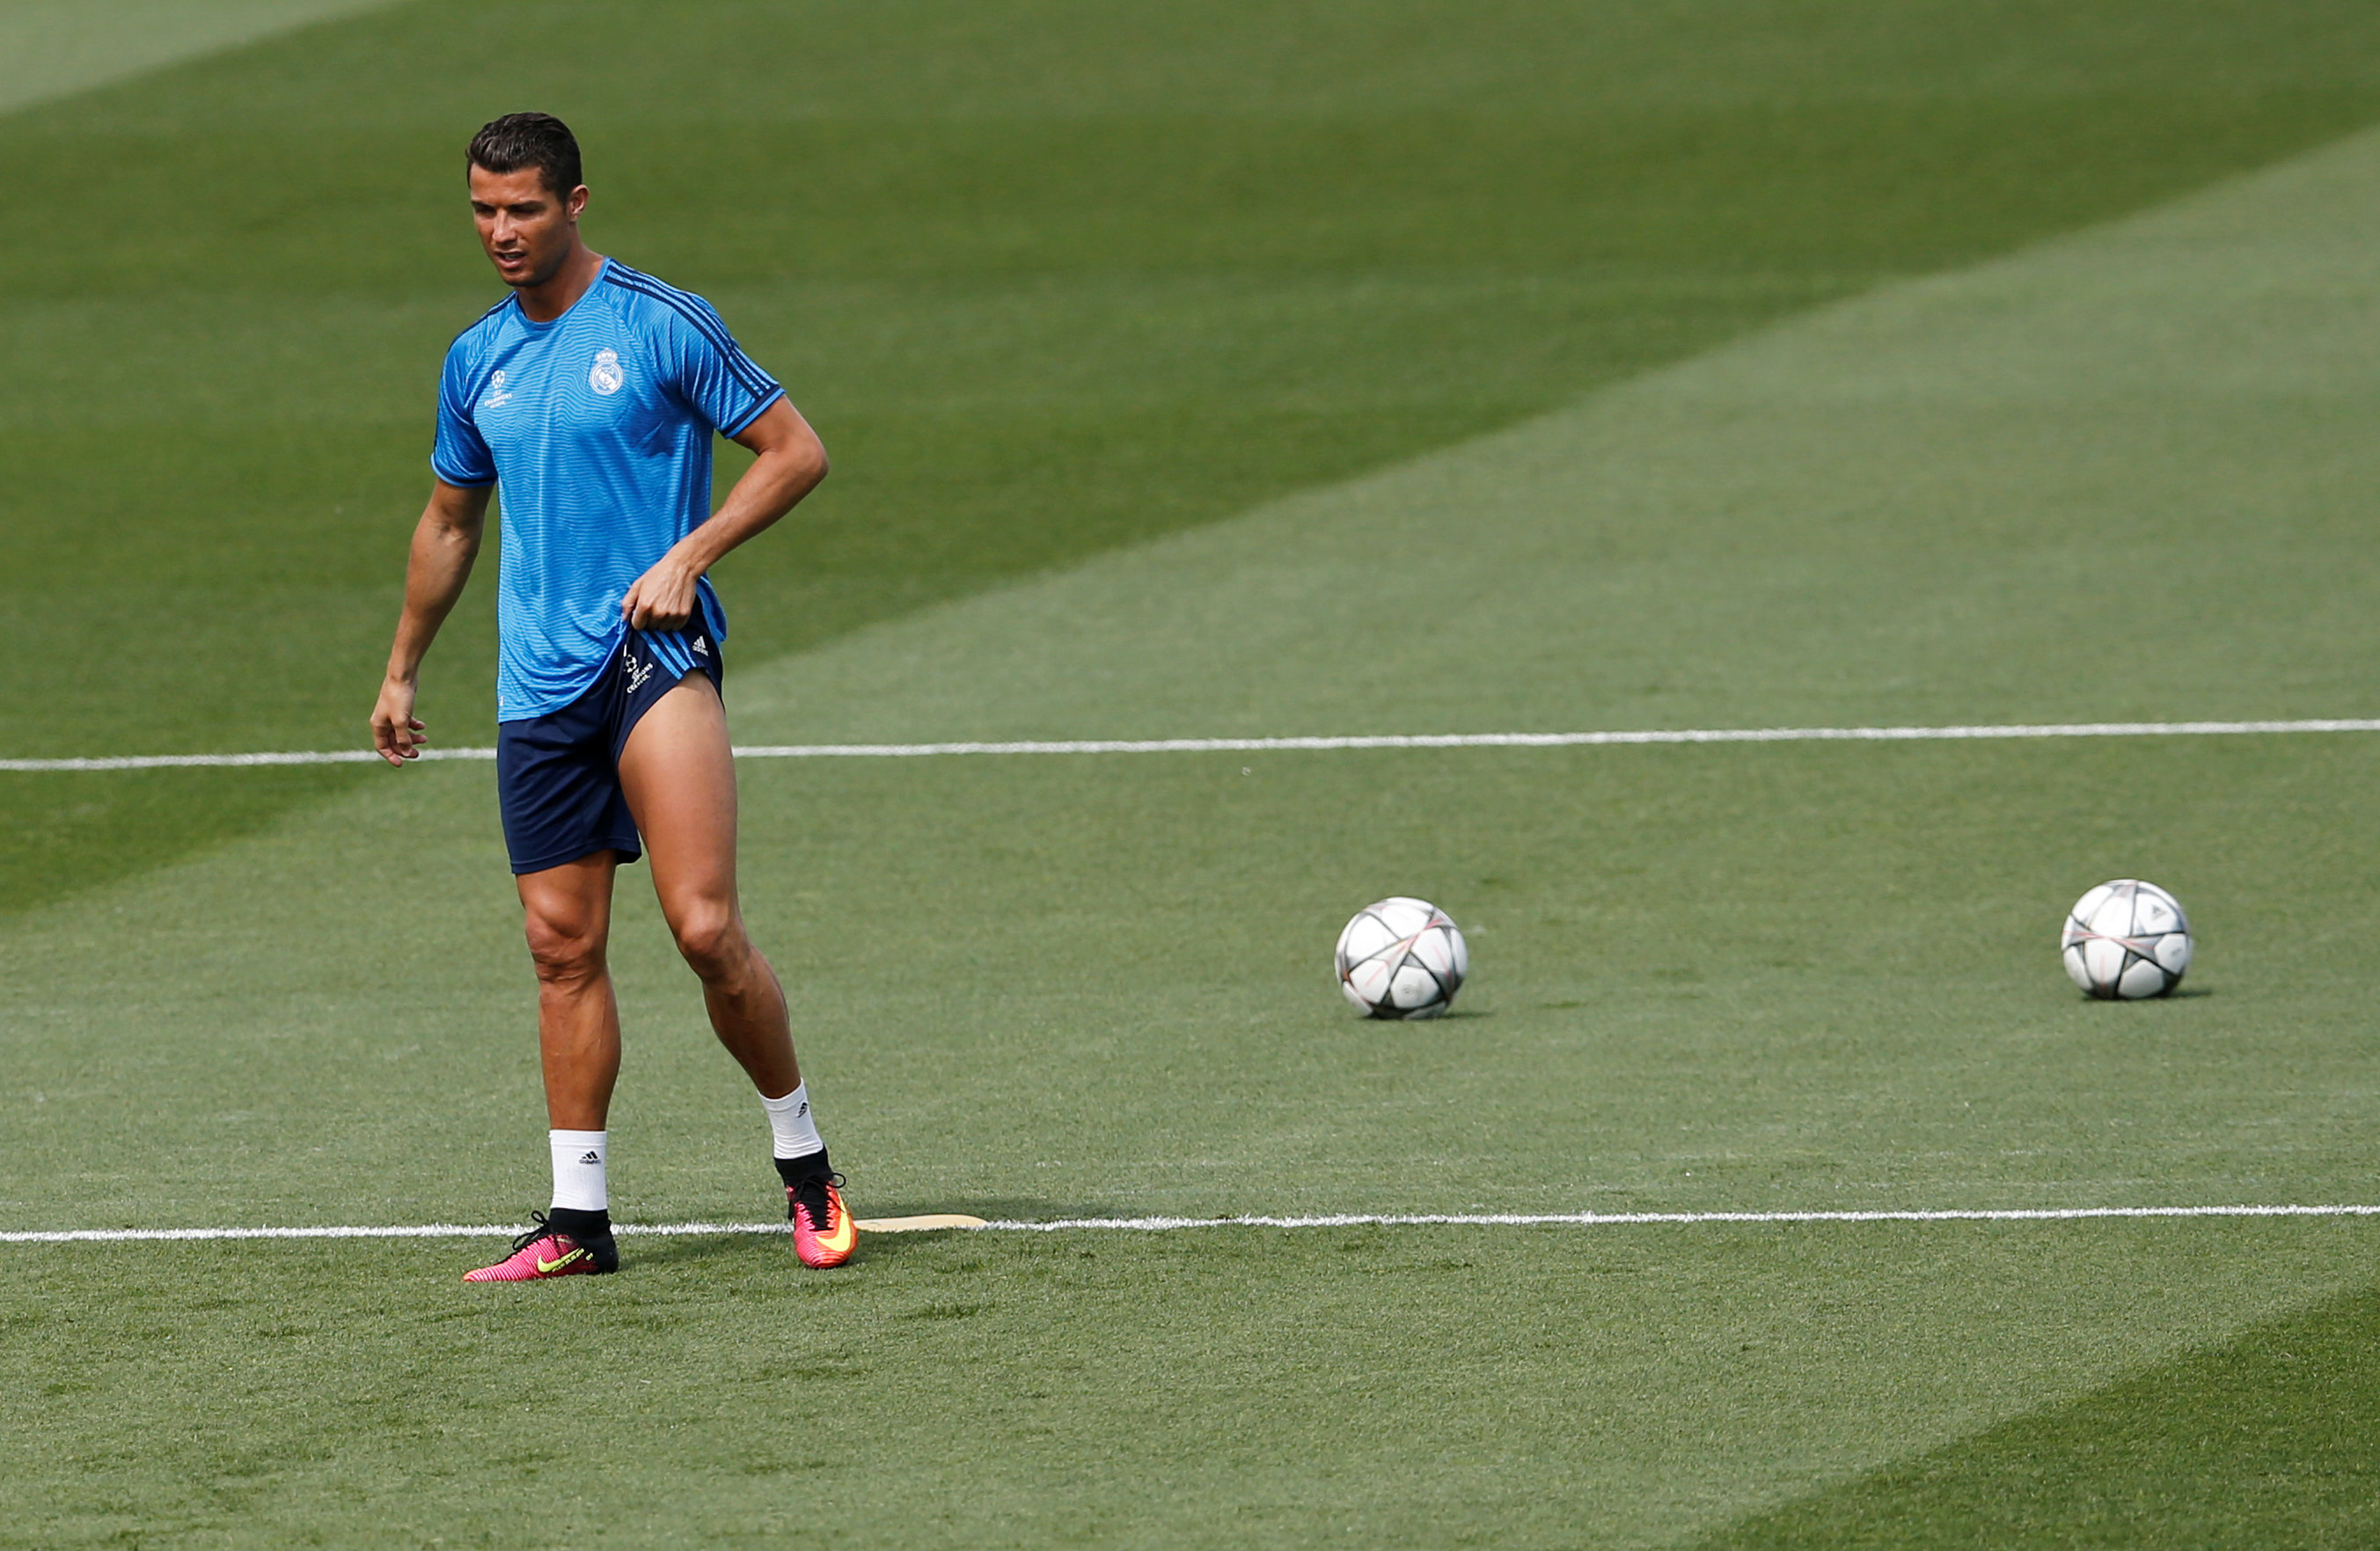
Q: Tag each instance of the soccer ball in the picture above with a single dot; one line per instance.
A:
(2126, 940)
(1401, 958)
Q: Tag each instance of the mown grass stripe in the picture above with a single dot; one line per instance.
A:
(1259, 745)
(1173, 1224)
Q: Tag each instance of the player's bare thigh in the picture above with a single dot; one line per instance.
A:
(678, 772)
(679, 775)
(569, 909)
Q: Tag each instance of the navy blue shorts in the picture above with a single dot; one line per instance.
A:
(558, 775)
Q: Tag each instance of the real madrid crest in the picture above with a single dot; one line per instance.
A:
(606, 377)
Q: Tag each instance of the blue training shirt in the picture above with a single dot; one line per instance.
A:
(597, 427)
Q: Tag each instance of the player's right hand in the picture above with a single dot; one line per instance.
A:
(397, 732)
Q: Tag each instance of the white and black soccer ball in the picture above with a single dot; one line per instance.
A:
(1401, 958)
(2126, 940)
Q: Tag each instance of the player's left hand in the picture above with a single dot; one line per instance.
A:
(663, 599)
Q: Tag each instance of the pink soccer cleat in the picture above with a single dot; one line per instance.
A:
(545, 1252)
(824, 1234)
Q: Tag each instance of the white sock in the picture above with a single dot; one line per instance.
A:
(578, 1181)
(789, 1118)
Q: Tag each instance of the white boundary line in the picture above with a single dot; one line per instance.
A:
(1263, 745)
(1167, 1225)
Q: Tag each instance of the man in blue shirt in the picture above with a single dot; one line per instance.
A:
(589, 396)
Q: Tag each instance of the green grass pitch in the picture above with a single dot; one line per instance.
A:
(1232, 370)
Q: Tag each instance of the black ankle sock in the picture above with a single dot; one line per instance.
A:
(809, 1165)
(579, 1224)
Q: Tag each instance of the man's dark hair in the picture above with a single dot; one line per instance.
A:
(529, 139)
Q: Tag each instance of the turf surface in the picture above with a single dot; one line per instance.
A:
(2256, 1442)
(1052, 278)
(54, 48)
(2118, 477)
(1096, 303)
(1337, 1387)
(1722, 978)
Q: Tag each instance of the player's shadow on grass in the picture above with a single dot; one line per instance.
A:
(746, 1249)
(696, 1248)
(734, 1249)
(1001, 1208)
(693, 1248)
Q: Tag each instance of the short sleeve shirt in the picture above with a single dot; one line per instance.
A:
(596, 426)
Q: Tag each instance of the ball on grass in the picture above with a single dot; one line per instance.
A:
(1401, 958)
(2126, 940)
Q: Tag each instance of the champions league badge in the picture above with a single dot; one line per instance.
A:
(607, 378)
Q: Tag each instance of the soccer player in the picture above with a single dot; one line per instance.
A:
(590, 394)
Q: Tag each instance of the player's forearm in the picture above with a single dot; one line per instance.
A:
(774, 486)
(787, 465)
(435, 571)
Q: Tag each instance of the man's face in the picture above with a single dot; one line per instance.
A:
(524, 226)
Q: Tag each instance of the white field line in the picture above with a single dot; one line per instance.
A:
(1264, 745)
(1167, 1225)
